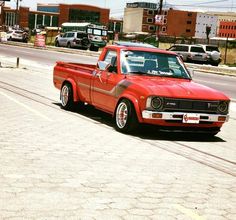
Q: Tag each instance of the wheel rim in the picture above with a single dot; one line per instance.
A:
(121, 115)
(64, 95)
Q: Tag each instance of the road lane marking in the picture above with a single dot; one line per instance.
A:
(26, 107)
(193, 215)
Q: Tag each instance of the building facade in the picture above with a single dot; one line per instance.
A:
(227, 29)
(77, 13)
(139, 17)
(174, 23)
(28, 19)
(179, 23)
(54, 15)
(203, 21)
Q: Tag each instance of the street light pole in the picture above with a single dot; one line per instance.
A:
(17, 12)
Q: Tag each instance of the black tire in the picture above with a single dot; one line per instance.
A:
(85, 42)
(126, 120)
(67, 101)
(57, 44)
(93, 48)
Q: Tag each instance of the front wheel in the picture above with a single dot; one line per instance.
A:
(67, 101)
(125, 118)
(57, 44)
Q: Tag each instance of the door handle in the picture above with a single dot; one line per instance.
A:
(98, 75)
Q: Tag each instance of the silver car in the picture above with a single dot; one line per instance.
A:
(73, 39)
(191, 53)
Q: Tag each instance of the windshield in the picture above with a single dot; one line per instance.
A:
(153, 64)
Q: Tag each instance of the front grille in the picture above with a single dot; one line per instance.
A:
(187, 105)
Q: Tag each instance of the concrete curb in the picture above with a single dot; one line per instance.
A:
(221, 70)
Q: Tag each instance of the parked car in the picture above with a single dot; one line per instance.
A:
(191, 53)
(72, 40)
(214, 54)
(3, 36)
(15, 35)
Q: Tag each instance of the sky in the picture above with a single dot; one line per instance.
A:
(117, 6)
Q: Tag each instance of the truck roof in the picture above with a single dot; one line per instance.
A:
(138, 46)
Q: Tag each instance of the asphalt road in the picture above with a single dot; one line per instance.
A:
(225, 84)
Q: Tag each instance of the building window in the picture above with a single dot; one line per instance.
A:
(150, 12)
(76, 15)
(151, 28)
(190, 14)
(149, 20)
(165, 21)
(189, 22)
(188, 30)
(163, 29)
(165, 12)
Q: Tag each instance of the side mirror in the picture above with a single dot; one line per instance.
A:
(103, 65)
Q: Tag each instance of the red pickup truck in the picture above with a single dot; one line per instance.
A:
(138, 84)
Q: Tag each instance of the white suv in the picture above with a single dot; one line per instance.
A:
(191, 53)
(214, 54)
(15, 35)
(73, 39)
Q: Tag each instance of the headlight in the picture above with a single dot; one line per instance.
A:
(155, 103)
(223, 107)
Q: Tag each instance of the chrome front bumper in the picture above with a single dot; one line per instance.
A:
(146, 114)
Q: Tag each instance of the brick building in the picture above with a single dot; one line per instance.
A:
(179, 23)
(77, 13)
(54, 15)
(227, 29)
(139, 17)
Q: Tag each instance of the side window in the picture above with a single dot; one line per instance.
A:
(111, 58)
(173, 48)
(70, 35)
(197, 50)
(182, 48)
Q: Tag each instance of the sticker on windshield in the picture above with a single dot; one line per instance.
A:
(166, 73)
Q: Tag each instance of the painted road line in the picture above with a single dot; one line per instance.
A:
(26, 107)
(193, 215)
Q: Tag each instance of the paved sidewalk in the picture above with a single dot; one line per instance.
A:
(63, 165)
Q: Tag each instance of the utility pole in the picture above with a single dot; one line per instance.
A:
(2, 4)
(17, 12)
(159, 12)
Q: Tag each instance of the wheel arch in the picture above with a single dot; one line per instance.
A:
(135, 103)
(74, 88)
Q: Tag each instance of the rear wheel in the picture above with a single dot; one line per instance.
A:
(125, 118)
(67, 101)
(94, 48)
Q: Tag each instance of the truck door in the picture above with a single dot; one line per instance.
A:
(104, 84)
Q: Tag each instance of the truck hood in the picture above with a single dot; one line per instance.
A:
(176, 88)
